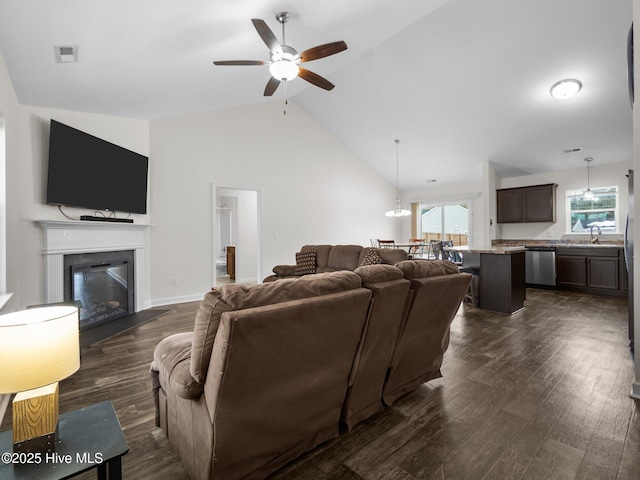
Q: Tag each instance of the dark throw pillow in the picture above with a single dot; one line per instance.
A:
(371, 258)
(306, 262)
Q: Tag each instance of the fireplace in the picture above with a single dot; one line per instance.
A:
(102, 284)
(67, 242)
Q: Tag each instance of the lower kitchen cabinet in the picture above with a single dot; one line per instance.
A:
(592, 270)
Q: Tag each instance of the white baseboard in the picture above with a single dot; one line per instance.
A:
(159, 302)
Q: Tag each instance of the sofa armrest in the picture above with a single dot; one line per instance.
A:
(171, 366)
(285, 270)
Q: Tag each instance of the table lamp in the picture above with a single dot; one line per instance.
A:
(38, 347)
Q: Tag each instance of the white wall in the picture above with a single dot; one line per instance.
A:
(27, 140)
(483, 205)
(9, 109)
(600, 176)
(437, 194)
(313, 190)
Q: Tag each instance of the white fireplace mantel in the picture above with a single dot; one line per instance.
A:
(68, 237)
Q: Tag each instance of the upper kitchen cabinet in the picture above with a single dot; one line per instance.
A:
(536, 203)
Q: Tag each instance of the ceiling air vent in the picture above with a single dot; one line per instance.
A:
(573, 150)
(66, 53)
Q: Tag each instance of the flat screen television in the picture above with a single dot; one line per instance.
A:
(88, 172)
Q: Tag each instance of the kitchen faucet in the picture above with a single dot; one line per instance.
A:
(591, 237)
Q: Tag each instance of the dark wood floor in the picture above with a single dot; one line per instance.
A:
(540, 394)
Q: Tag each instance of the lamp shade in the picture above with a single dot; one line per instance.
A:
(38, 347)
(284, 70)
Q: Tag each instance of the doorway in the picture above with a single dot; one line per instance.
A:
(236, 235)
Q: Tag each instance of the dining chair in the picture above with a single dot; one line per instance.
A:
(452, 256)
(417, 250)
(436, 249)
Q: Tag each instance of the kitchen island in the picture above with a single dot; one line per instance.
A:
(500, 272)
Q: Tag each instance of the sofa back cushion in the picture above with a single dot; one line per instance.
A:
(344, 257)
(379, 273)
(333, 258)
(239, 296)
(413, 269)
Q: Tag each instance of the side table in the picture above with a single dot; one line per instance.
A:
(90, 437)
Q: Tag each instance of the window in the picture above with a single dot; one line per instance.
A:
(445, 222)
(601, 211)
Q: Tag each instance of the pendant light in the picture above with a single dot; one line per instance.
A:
(588, 194)
(398, 210)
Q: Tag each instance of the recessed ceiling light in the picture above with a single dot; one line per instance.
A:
(565, 88)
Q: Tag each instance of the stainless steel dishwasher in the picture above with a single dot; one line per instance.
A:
(540, 266)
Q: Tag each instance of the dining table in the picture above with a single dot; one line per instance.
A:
(412, 247)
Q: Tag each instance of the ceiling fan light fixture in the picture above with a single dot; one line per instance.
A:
(566, 88)
(284, 70)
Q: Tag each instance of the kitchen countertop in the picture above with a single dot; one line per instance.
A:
(586, 245)
(559, 244)
(495, 249)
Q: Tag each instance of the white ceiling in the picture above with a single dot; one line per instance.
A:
(459, 82)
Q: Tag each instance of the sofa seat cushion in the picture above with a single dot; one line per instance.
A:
(413, 269)
(239, 296)
(172, 359)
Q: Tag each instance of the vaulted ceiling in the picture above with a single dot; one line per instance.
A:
(459, 82)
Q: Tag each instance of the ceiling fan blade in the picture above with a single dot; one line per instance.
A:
(315, 79)
(322, 51)
(271, 87)
(268, 37)
(239, 62)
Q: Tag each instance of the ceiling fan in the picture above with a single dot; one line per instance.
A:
(285, 60)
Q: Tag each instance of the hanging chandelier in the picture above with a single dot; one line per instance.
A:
(398, 210)
(588, 194)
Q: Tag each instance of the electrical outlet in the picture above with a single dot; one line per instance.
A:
(549, 233)
(175, 281)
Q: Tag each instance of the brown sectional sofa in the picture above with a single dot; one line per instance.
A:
(272, 370)
(333, 258)
(437, 290)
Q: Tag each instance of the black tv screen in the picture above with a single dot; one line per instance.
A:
(88, 172)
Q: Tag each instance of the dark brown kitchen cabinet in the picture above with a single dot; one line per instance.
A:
(571, 270)
(536, 203)
(590, 269)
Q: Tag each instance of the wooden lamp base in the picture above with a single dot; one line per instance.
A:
(35, 419)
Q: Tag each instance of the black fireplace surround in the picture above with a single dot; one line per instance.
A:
(102, 283)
